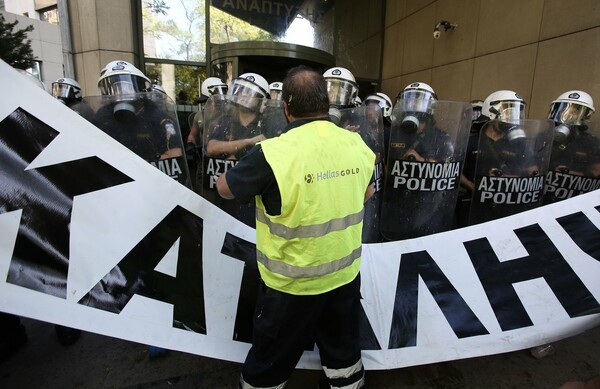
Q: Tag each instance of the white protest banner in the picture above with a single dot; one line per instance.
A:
(96, 238)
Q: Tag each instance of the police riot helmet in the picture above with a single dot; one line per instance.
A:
(504, 105)
(383, 101)
(276, 90)
(572, 108)
(417, 101)
(477, 105)
(158, 88)
(418, 97)
(66, 90)
(122, 78)
(507, 107)
(248, 88)
(341, 87)
(213, 86)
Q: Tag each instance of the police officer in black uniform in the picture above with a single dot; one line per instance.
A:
(230, 133)
(347, 110)
(463, 204)
(575, 159)
(415, 137)
(241, 128)
(139, 117)
(505, 151)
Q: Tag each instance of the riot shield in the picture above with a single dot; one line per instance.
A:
(146, 123)
(422, 176)
(574, 165)
(232, 126)
(368, 122)
(512, 161)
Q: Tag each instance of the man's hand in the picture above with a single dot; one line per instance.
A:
(412, 155)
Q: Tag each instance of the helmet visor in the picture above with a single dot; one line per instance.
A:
(570, 113)
(244, 88)
(377, 100)
(341, 92)
(64, 91)
(275, 94)
(217, 89)
(508, 111)
(417, 101)
(122, 84)
(381, 102)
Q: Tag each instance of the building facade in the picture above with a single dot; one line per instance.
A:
(538, 48)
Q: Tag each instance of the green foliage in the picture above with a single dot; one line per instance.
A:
(184, 35)
(15, 48)
(226, 28)
(187, 80)
(157, 6)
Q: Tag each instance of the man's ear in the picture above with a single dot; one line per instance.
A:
(286, 112)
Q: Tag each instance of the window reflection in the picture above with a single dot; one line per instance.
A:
(174, 29)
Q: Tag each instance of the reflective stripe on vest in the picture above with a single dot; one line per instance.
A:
(309, 231)
(285, 269)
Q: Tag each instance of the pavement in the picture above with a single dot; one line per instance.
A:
(97, 361)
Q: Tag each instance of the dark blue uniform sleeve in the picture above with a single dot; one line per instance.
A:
(251, 176)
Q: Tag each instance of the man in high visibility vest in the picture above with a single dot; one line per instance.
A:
(310, 185)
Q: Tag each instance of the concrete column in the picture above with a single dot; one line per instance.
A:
(101, 31)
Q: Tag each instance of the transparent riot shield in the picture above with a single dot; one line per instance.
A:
(574, 164)
(422, 176)
(512, 162)
(368, 122)
(146, 123)
(232, 126)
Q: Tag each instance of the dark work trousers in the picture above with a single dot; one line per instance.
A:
(285, 325)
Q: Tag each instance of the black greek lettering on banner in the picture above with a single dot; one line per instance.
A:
(40, 258)
(584, 233)
(459, 315)
(544, 260)
(135, 273)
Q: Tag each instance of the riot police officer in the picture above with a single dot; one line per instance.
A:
(465, 194)
(384, 102)
(276, 90)
(211, 86)
(236, 133)
(511, 159)
(142, 119)
(422, 168)
(230, 132)
(67, 90)
(347, 111)
(273, 117)
(342, 90)
(575, 159)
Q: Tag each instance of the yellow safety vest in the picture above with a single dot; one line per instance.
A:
(314, 245)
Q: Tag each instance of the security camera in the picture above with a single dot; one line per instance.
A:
(447, 26)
